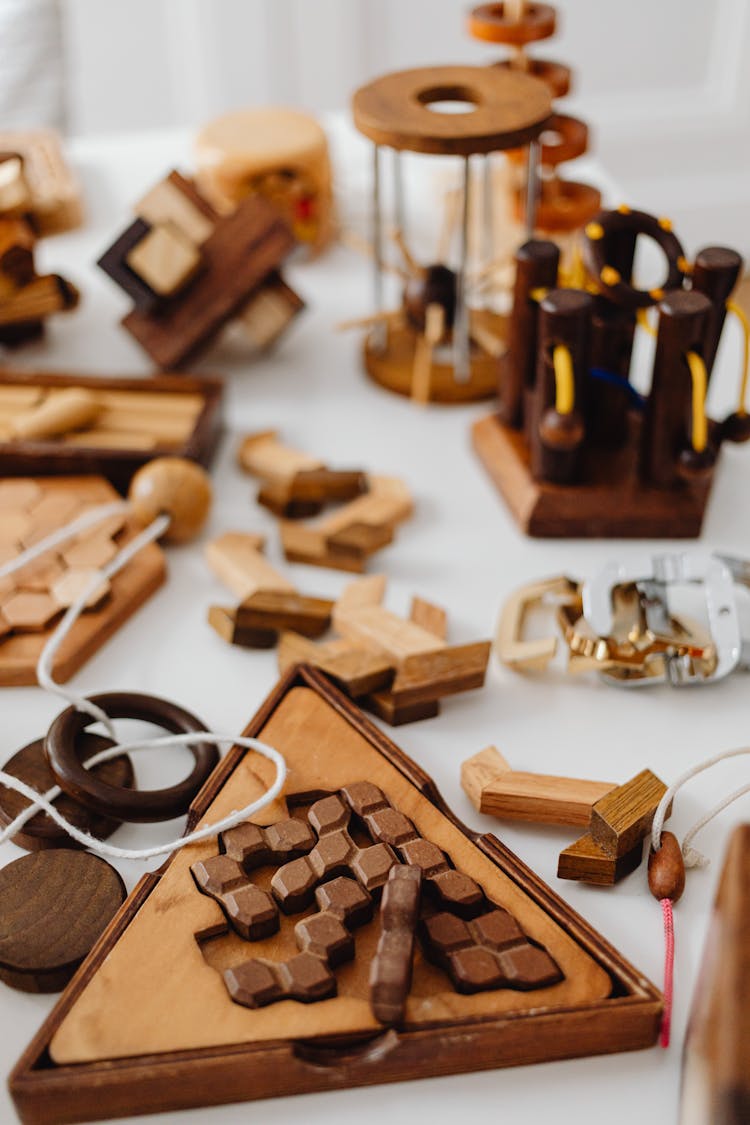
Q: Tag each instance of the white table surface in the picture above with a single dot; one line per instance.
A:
(461, 550)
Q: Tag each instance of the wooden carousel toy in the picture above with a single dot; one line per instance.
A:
(435, 347)
(562, 205)
(573, 448)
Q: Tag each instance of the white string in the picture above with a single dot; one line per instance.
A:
(46, 680)
(109, 851)
(691, 856)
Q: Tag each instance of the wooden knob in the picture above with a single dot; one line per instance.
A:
(561, 431)
(694, 465)
(666, 869)
(437, 286)
(736, 427)
(174, 486)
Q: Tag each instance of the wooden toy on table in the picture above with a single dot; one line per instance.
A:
(270, 603)
(436, 348)
(26, 297)
(396, 667)
(190, 271)
(280, 154)
(36, 182)
(295, 484)
(562, 205)
(119, 424)
(573, 448)
(557, 989)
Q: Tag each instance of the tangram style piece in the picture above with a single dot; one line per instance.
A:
(190, 271)
(110, 426)
(618, 817)
(399, 668)
(270, 603)
(96, 1052)
(574, 450)
(295, 484)
(26, 297)
(36, 182)
(32, 599)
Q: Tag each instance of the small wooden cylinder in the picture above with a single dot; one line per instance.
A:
(564, 318)
(715, 274)
(683, 323)
(537, 263)
(612, 332)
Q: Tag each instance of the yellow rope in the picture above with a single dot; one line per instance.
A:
(644, 322)
(538, 294)
(739, 312)
(700, 381)
(562, 361)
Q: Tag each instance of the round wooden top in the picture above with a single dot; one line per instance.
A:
(494, 24)
(246, 140)
(510, 108)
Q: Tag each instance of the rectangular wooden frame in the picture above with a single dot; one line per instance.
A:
(54, 458)
(46, 1093)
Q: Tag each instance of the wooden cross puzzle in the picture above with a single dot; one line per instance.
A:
(203, 989)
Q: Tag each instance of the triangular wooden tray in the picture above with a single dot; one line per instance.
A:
(147, 1025)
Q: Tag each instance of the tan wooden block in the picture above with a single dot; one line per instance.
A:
(430, 617)
(5, 626)
(114, 439)
(285, 610)
(30, 612)
(55, 196)
(165, 203)
(267, 314)
(19, 493)
(163, 426)
(72, 585)
(19, 398)
(621, 819)
(585, 862)
(39, 574)
(236, 560)
(14, 525)
(38, 299)
(154, 402)
(263, 455)
(362, 592)
(424, 677)
(379, 629)
(15, 197)
(58, 413)
(94, 552)
(53, 510)
(165, 259)
(357, 671)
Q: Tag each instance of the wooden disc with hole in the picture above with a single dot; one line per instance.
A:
(564, 138)
(30, 765)
(492, 23)
(510, 109)
(54, 906)
(563, 205)
(394, 370)
(556, 76)
(607, 226)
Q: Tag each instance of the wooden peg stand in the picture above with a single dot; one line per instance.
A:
(109, 1048)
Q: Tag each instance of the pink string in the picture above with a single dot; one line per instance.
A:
(666, 1022)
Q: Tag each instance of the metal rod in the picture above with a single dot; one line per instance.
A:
(489, 224)
(379, 332)
(461, 337)
(532, 167)
(399, 204)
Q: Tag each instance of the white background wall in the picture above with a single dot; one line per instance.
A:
(664, 84)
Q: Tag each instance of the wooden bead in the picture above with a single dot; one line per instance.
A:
(694, 465)
(736, 427)
(666, 869)
(436, 287)
(174, 486)
(561, 431)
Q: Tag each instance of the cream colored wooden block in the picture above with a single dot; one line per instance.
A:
(430, 617)
(236, 560)
(263, 455)
(59, 413)
(265, 317)
(165, 203)
(165, 259)
(380, 629)
(15, 197)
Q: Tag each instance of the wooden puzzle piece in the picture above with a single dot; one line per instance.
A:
(54, 198)
(26, 298)
(269, 312)
(391, 968)
(270, 604)
(176, 200)
(33, 598)
(295, 484)
(99, 1043)
(165, 259)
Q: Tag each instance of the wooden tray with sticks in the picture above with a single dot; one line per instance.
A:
(155, 1019)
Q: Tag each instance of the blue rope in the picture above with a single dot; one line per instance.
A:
(616, 380)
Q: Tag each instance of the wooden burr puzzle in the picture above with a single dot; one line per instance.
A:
(358, 925)
(33, 599)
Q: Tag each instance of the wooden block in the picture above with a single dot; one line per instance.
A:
(176, 200)
(368, 591)
(15, 197)
(430, 617)
(285, 610)
(716, 1057)
(56, 203)
(391, 968)
(386, 707)
(263, 455)
(236, 560)
(622, 818)
(424, 677)
(586, 862)
(275, 495)
(165, 259)
(269, 312)
(224, 622)
(38, 299)
(355, 670)
(379, 629)
(71, 409)
(243, 249)
(494, 788)
(114, 263)
(17, 241)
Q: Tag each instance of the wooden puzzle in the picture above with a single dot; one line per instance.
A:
(279, 154)
(32, 600)
(618, 817)
(26, 297)
(35, 181)
(437, 347)
(270, 603)
(190, 271)
(396, 667)
(574, 449)
(295, 484)
(125, 422)
(518, 978)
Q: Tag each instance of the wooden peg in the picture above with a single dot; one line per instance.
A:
(537, 264)
(59, 413)
(494, 788)
(715, 273)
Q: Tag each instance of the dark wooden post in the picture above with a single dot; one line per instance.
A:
(537, 264)
(715, 273)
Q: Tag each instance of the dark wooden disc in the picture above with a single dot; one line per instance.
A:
(30, 765)
(54, 905)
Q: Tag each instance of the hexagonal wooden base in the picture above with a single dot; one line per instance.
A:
(618, 506)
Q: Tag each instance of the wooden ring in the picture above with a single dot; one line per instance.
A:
(563, 205)
(608, 225)
(490, 22)
(571, 142)
(555, 76)
(132, 805)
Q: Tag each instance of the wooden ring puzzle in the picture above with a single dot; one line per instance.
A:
(106, 799)
(612, 227)
(501, 23)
